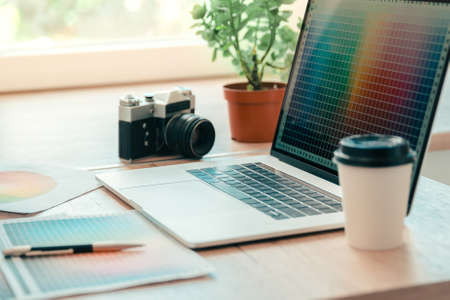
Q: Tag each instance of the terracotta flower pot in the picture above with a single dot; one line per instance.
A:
(254, 114)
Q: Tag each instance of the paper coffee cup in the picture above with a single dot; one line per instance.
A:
(375, 176)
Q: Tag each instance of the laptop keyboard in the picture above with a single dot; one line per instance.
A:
(268, 190)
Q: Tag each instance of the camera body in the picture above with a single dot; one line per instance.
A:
(143, 122)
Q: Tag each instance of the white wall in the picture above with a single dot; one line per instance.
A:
(436, 165)
(299, 8)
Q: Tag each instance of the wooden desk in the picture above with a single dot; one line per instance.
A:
(78, 128)
(315, 265)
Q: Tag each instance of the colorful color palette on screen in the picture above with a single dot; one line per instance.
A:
(364, 66)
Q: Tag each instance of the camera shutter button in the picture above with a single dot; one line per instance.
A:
(149, 97)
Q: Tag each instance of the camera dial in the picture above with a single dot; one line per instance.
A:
(129, 100)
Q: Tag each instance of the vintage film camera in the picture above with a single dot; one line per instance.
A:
(162, 122)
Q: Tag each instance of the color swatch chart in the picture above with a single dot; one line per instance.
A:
(5, 291)
(364, 66)
(160, 260)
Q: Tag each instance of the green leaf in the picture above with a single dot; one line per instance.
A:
(196, 25)
(226, 46)
(286, 34)
(299, 23)
(214, 56)
(198, 11)
(250, 34)
(264, 42)
(254, 11)
(273, 56)
(222, 19)
(207, 35)
(226, 53)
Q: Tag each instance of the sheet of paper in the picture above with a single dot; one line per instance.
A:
(5, 291)
(162, 259)
(26, 188)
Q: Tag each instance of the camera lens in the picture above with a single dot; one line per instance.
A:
(190, 135)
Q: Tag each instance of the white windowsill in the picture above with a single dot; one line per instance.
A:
(108, 64)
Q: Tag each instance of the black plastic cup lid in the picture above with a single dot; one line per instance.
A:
(374, 150)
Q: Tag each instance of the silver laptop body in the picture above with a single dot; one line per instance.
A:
(341, 83)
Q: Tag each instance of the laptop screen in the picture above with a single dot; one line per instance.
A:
(363, 66)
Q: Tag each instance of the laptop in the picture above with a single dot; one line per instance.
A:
(361, 66)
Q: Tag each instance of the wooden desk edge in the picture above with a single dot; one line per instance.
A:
(435, 291)
(440, 141)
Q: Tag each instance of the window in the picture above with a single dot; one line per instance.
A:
(44, 24)
(62, 43)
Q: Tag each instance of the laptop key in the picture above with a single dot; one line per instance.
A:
(291, 202)
(323, 208)
(336, 205)
(309, 211)
(309, 202)
(258, 205)
(210, 170)
(270, 202)
(196, 172)
(262, 197)
(296, 214)
(328, 210)
(283, 199)
(294, 194)
(276, 195)
(275, 214)
(257, 195)
(234, 167)
(230, 190)
(249, 200)
(290, 212)
(264, 209)
(279, 206)
(299, 206)
(210, 180)
(252, 192)
(328, 202)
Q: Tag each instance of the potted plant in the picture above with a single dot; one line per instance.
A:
(256, 37)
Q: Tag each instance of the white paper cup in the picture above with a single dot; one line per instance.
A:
(375, 190)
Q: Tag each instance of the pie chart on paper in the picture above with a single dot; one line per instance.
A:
(22, 185)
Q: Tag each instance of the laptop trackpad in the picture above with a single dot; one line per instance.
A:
(182, 199)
